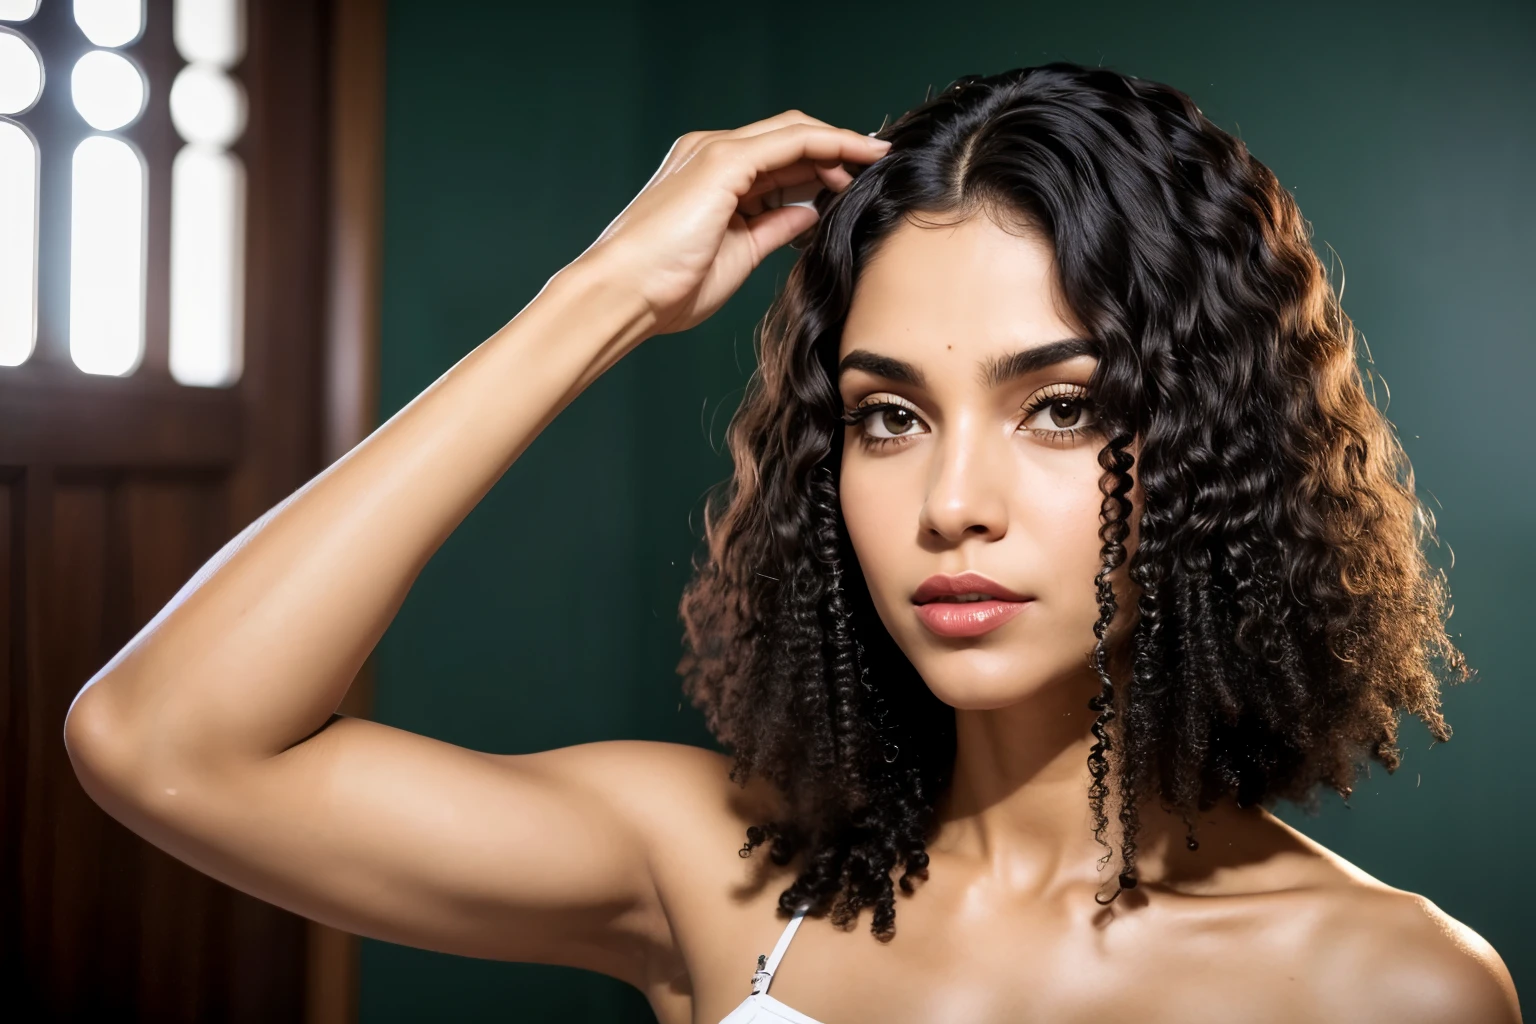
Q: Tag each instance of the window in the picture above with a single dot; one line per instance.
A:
(83, 85)
(21, 83)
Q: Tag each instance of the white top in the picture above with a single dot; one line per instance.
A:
(760, 1007)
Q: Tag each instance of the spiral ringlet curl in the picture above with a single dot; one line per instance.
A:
(1277, 614)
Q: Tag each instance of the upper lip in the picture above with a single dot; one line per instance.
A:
(942, 585)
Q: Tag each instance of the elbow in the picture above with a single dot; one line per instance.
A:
(134, 770)
(98, 747)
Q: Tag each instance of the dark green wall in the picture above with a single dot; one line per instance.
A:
(1407, 133)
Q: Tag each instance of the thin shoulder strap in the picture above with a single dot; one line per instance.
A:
(766, 965)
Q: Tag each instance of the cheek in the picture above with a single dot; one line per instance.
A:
(1056, 502)
(1062, 519)
(1061, 506)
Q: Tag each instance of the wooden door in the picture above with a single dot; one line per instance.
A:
(113, 490)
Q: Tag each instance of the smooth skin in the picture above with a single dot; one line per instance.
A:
(212, 732)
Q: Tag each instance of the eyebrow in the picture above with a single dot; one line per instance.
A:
(995, 371)
(881, 366)
(1002, 369)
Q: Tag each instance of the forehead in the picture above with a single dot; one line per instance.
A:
(966, 289)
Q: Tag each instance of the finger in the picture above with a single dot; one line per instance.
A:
(830, 173)
(768, 124)
(803, 194)
(775, 228)
(795, 174)
(833, 174)
(694, 141)
(789, 184)
(769, 190)
(742, 160)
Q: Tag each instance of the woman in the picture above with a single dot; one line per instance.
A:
(1061, 527)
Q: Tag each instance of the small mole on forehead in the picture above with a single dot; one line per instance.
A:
(948, 347)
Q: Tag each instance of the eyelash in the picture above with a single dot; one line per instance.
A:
(1040, 400)
(863, 412)
(1043, 398)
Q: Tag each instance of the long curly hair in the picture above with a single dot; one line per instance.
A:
(1284, 609)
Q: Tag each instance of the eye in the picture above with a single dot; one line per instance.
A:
(1059, 409)
(891, 421)
(886, 419)
(1065, 413)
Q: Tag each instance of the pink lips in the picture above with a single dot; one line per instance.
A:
(947, 617)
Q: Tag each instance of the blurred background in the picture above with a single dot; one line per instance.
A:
(234, 237)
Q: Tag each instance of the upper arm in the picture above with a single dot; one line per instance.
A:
(397, 836)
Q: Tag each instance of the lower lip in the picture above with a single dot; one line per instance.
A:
(969, 618)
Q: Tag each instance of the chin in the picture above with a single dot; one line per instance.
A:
(976, 679)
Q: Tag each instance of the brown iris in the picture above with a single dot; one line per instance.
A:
(897, 420)
(1066, 412)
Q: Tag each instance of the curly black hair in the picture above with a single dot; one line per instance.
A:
(1284, 609)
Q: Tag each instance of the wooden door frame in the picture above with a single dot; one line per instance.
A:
(351, 395)
(308, 394)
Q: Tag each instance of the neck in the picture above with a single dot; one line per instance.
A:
(1018, 800)
(1017, 805)
(1020, 784)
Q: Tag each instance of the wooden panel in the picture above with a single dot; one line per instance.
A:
(66, 838)
(166, 528)
(12, 722)
(78, 875)
(118, 928)
(68, 418)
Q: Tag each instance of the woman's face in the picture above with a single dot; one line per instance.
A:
(974, 451)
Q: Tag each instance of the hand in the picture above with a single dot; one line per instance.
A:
(699, 226)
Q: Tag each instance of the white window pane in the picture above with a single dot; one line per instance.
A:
(210, 31)
(110, 22)
(106, 257)
(108, 90)
(207, 266)
(21, 74)
(207, 105)
(17, 10)
(18, 244)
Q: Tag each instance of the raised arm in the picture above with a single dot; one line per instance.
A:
(212, 732)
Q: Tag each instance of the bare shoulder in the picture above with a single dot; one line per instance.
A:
(1425, 966)
(1377, 953)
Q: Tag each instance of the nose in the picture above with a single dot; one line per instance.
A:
(968, 485)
